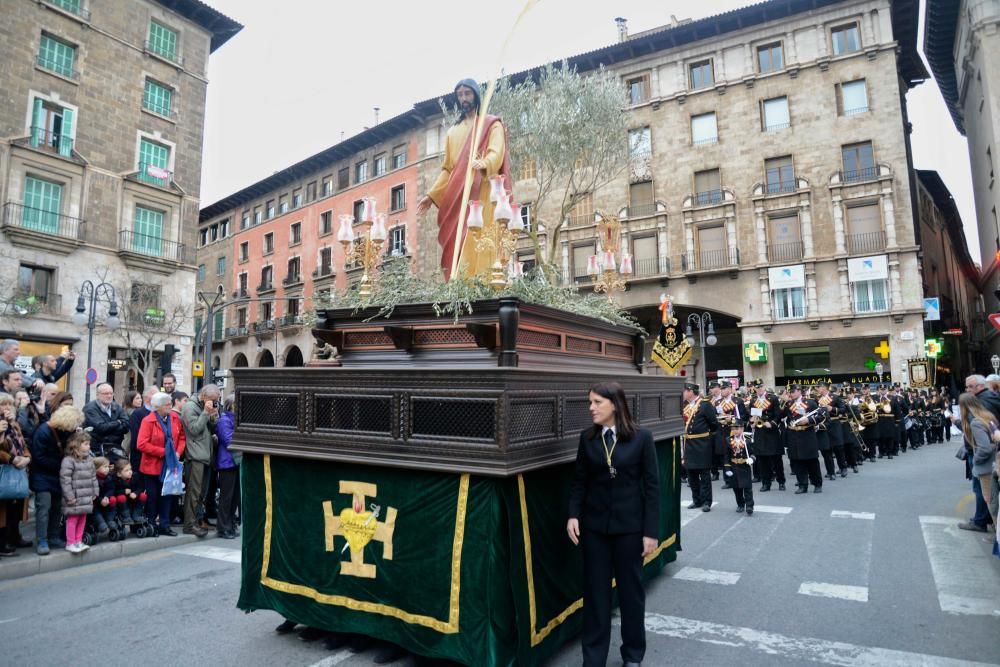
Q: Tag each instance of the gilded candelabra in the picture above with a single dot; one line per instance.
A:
(366, 248)
(608, 272)
(499, 236)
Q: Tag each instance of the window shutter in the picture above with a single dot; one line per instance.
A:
(37, 131)
(66, 139)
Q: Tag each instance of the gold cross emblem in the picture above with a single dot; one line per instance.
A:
(358, 527)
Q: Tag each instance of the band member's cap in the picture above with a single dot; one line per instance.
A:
(714, 384)
(822, 383)
(794, 387)
(691, 386)
(757, 383)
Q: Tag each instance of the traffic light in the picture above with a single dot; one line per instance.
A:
(167, 358)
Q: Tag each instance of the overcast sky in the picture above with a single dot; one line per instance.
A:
(303, 74)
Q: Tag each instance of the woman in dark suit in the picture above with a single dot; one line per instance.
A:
(614, 514)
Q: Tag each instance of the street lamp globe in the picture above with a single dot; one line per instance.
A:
(112, 322)
(79, 317)
(711, 339)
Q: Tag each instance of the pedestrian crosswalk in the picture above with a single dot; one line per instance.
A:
(956, 558)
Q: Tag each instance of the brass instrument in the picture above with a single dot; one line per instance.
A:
(869, 412)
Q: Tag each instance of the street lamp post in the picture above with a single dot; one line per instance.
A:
(706, 335)
(995, 360)
(83, 316)
(210, 306)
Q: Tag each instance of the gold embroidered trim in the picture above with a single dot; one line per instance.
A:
(538, 636)
(445, 627)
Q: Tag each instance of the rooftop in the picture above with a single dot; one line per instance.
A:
(221, 26)
(940, 24)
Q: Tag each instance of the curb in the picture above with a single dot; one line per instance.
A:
(27, 563)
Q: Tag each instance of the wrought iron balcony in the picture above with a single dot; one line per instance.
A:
(28, 303)
(265, 286)
(237, 332)
(166, 55)
(708, 260)
(651, 266)
(46, 140)
(293, 279)
(45, 222)
(709, 197)
(241, 293)
(862, 244)
(323, 271)
(262, 326)
(153, 246)
(641, 210)
(154, 175)
(289, 320)
(859, 175)
(785, 252)
(780, 187)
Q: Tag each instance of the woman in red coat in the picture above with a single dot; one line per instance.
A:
(159, 429)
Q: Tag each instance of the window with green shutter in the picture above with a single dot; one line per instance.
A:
(71, 6)
(163, 40)
(153, 161)
(147, 233)
(217, 334)
(157, 98)
(56, 55)
(42, 205)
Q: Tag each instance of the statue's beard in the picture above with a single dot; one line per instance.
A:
(467, 107)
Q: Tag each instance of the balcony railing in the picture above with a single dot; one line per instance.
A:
(650, 266)
(707, 260)
(777, 126)
(47, 140)
(70, 7)
(57, 68)
(708, 197)
(856, 111)
(289, 320)
(265, 286)
(859, 175)
(323, 270)
(154, 175)
(153, 246)
(292, 279)
(28, 303)
(241, 293)
(45, 222)
(785, 252)
(262, 326)
(236, 332)
(640, 210)
(780, 187)
(155, 50)
(861, 244)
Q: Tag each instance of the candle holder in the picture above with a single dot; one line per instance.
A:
(499, 235)
(606, 271)
(365, 248)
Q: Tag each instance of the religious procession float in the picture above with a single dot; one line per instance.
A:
(411, 483)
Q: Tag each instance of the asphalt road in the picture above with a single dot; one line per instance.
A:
(871, 572)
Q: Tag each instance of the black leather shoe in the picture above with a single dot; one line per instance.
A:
(707, 507)
(755, 480)
(336, 640)
(818, 489)
(166, 532)
(781, 487)
(843, 472)
(855, 468)
(801, 489)
(310, 634)
(749, 511)
(765, 488)
(740, 509)
(285, 627)
(631, 664)
(694, 506)
(715, 477)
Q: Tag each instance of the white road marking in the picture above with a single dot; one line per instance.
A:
(773, 509)
(7, 620)
(797, 649)
(837, 591)
(707, 576)
(215, 553)
(958, 562)
(841, 514)
(334, 659)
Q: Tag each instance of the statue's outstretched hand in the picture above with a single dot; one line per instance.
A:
(424, 205)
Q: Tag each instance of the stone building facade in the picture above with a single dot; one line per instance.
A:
(772, 194)
(282, 257)
(100, 164)
(962, 44)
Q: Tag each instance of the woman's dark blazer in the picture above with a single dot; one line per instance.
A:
(629, 503)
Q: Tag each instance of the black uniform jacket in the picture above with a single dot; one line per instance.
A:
(629, 503)
(698, 451)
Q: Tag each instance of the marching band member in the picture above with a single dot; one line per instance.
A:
(764, 419)
(801, 416)
(739, 469)
(700, 422)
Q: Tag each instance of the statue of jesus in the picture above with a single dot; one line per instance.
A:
(489, 157)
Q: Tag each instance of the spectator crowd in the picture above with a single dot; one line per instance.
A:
(157, 461)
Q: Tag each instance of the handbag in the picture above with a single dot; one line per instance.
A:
(13, 482)
(173, 474)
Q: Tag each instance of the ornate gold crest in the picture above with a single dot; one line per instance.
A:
(359, 527)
